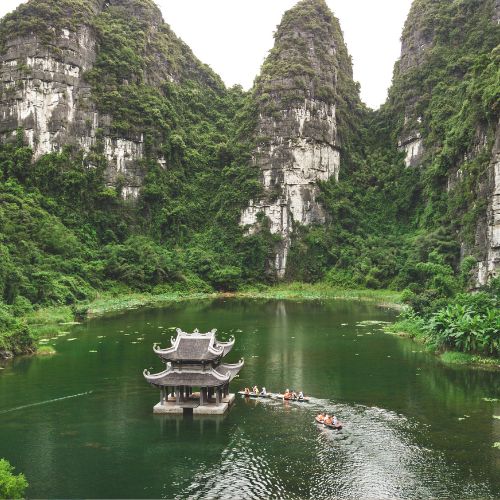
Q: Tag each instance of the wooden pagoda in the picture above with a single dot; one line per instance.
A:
(195, 379)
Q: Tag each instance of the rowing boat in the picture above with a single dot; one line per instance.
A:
(293, 400)
(255, 396)
(330, 426)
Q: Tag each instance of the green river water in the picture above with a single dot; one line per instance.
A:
(79, 424)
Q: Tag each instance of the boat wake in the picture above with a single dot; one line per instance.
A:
(45, 402)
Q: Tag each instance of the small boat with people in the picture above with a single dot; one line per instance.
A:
(255, 393)
(289, 395)
(329, 421)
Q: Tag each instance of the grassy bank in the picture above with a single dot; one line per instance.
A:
(112, 303)
(105, 304)
(414, 329)
(305, 291)
(462, 358)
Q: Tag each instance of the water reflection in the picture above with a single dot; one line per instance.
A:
(194, 424)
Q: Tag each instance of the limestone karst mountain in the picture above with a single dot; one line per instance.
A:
(70, 69)
(305, 83)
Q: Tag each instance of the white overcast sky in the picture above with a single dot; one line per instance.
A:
(234, 36)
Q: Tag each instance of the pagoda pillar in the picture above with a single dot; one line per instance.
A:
(162, 396)
(218, 395)
(177, 395)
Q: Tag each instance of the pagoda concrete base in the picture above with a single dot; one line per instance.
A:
(211, 408)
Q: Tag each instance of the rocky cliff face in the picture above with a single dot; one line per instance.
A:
(45, 94)
(416, 40)
(488, 231)
(47, 50)
(297, 131)
(435, 34)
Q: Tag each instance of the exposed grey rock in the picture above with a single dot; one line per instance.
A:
(496, 12)
(297, 124)
(488, 231)
(415, 42)
(6, 354)
(44, 92)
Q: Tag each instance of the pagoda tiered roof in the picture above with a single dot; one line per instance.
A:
(194, 360)
(195, 376)
(194, 347)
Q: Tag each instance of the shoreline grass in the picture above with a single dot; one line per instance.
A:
(319, 291)
(45, 350)
(462, 358)
(47, 321)
(109, 303)
(115, 303)
(412, 329)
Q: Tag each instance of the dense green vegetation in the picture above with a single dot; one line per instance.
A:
(67, 236)
(42, 16)
(466, 322)
(289, 73)
(11, 485)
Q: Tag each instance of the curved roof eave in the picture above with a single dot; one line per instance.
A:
(227, 346)
(217, 378)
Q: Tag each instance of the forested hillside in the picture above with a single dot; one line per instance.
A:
(126, 164)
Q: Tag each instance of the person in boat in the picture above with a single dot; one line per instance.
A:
(294, 395)
(247, 391)
(328, 420)
(287, 394)
(335, 422)
(256, 390)
(263, 392)
(301, 395)
(321, 417)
